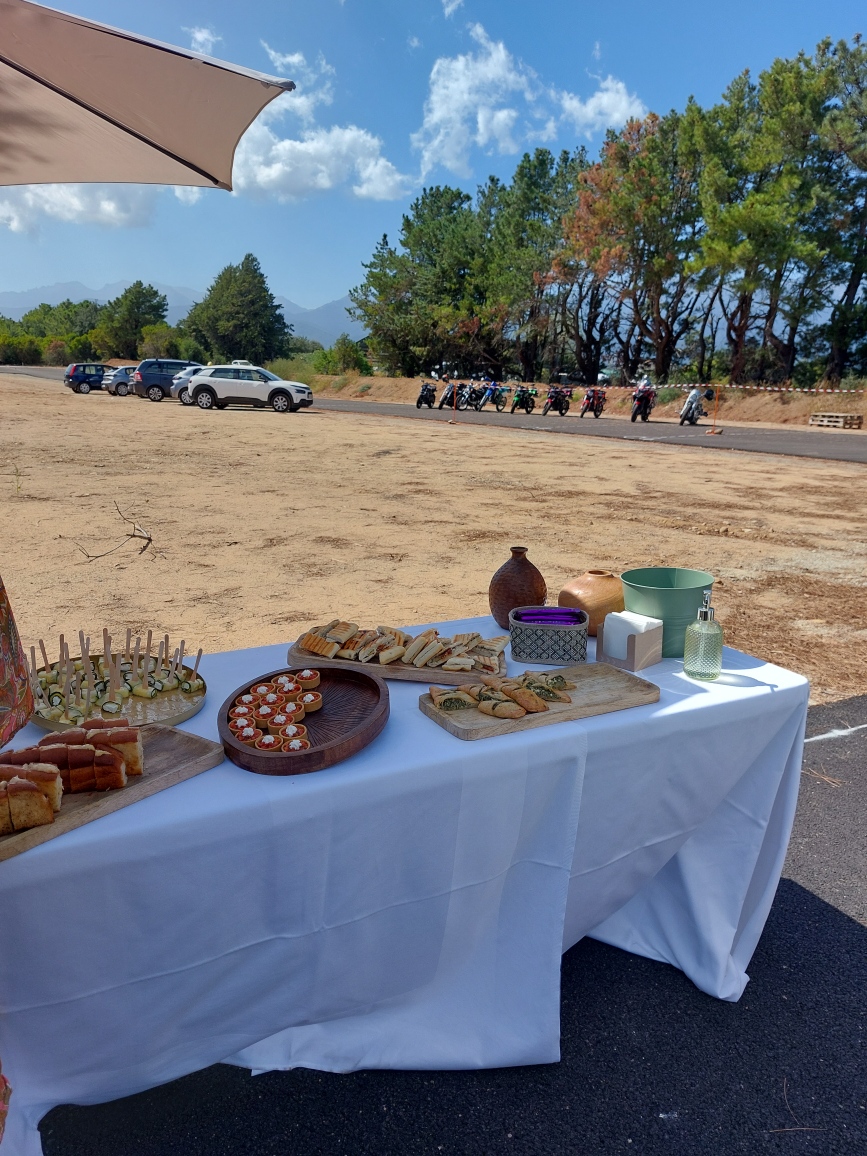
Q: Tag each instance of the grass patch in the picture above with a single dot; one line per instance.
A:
(669, 393)
(296, 368)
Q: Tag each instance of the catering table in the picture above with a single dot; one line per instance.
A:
(405, 909)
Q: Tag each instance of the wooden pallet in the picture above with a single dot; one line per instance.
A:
(838, 420)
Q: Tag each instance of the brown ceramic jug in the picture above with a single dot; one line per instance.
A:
(598, 592)
(516, 583)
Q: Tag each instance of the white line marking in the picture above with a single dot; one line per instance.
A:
(837, 734)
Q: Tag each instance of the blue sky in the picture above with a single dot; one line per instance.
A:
(391, 94)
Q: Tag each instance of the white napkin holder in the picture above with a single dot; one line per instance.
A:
(642, 649)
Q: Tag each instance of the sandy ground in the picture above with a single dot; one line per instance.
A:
(749, 406)
(262, 524)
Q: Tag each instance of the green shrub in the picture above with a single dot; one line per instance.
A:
(363, 389)
(670, 393)
(293, 368)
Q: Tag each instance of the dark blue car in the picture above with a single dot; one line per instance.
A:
(82, 377)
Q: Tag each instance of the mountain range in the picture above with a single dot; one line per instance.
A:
(325, 323)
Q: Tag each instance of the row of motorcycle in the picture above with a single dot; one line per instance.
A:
(467, 395)
(457, 395)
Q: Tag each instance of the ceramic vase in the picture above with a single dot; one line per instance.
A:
(516, 583)
(598, 592)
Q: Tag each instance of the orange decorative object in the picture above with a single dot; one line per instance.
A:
(16, 693)
(597, 593)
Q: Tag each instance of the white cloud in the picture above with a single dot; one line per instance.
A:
(24, 208)
(414, 42)
(203, 40)
(610, 106)
(597, 51)
(467, 105)
(490, 100)
(451, 6)
(312, 82)
(321, 159)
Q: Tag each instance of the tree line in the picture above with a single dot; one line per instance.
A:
(238, 317)
(715, 243)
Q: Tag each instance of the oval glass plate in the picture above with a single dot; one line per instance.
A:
(354, 710)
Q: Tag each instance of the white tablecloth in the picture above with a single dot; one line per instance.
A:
(406, 909)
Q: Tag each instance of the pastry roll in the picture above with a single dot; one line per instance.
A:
(502, 709)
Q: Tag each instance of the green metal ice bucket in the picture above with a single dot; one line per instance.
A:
(669, 593)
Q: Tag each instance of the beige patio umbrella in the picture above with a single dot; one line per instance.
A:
(84, 102)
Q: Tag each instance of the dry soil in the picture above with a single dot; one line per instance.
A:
(262, 524)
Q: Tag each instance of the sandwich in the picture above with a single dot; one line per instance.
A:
(316, 644)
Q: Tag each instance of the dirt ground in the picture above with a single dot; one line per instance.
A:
(262, 524)
(750, 406)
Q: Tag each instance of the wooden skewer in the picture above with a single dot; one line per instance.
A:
(147, 661)
(106, 647)
(196, 667)
(180, 658)
(87, 703)
(128, 641)
(34, 678)
(166, 649)
(67, 689)
(44, 657)
(135, 666)
(62, 644)
(173, 665)
(159, 666)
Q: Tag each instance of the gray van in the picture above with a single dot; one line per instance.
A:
(153, 378)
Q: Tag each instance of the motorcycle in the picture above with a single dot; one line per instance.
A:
(594, 401)
(475, 395)
(692, 407)
(643, 400)
(558, 399)
(448, 396)
(427, 396)
(525, 399)
(498, 394)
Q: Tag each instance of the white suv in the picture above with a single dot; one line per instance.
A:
(216, 386)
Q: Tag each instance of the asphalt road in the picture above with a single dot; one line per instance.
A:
(828, 444)
(650, 1064)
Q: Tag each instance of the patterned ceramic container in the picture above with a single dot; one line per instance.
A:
(549, 635)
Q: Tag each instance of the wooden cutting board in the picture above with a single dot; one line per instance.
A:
(601, 689)
(397, 670)
(170, 756)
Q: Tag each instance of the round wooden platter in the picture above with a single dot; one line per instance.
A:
(168, 708)
(354, 710)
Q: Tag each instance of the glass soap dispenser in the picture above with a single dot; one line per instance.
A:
(702, 651)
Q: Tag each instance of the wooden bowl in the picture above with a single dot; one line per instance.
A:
(354, 710)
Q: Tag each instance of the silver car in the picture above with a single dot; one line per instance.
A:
(118, 382)
(180, 381)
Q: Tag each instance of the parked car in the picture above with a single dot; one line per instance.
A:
(217, 386)
(118, 382)
(153, 378)
(82, 377)
(180, 382)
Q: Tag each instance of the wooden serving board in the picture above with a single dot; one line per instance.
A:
(399, 670)
(355, 708)
(601, 689)
(170, 756)
(168, 708)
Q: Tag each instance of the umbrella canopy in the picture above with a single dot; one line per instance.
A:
(83, 102)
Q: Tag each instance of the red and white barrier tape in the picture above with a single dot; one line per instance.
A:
(759, 388)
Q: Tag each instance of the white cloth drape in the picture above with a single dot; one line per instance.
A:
(406, 909)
